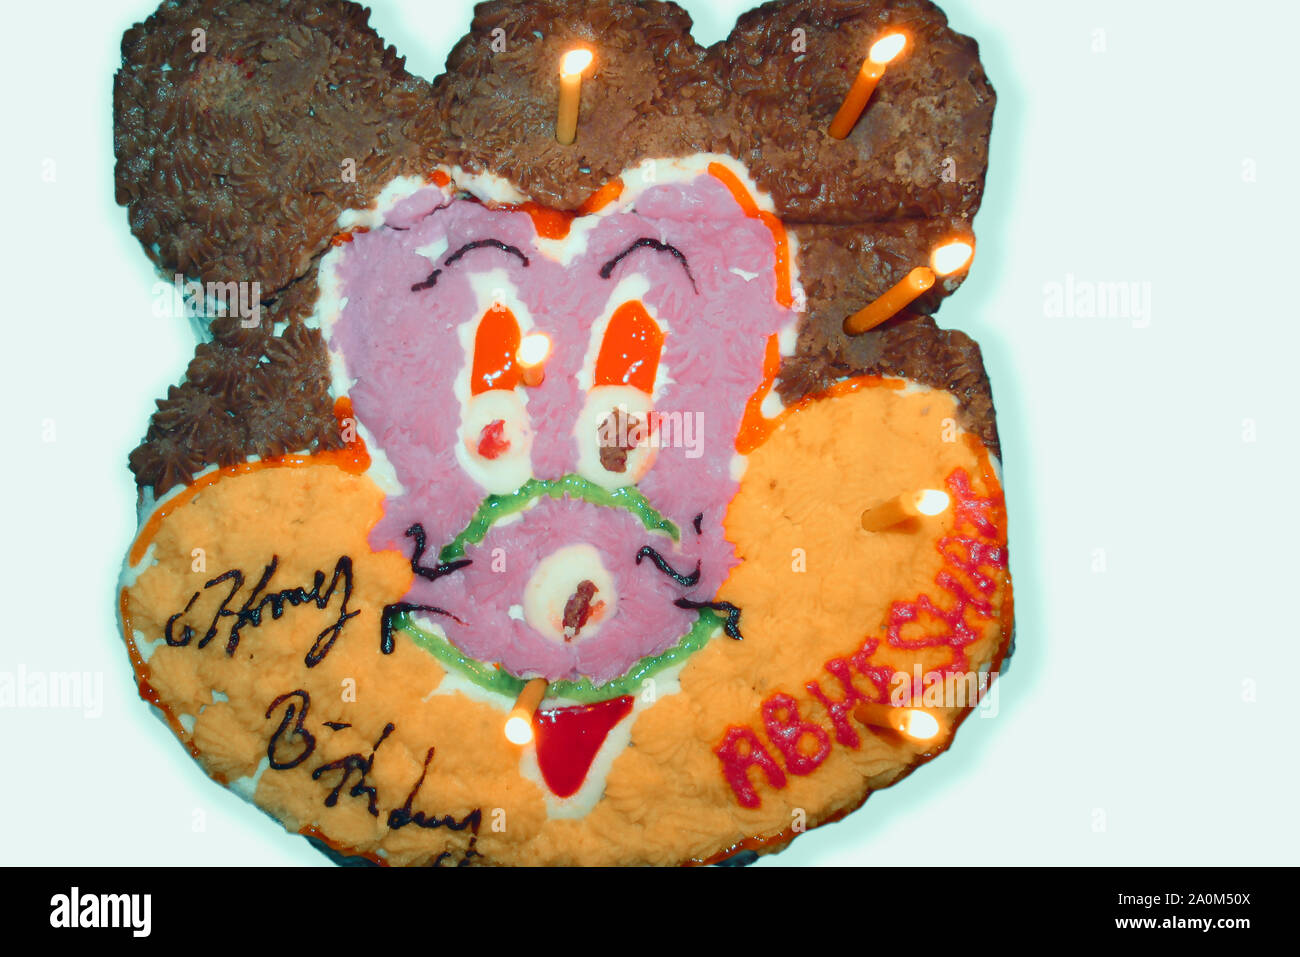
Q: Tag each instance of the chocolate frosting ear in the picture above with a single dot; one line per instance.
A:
(867, 209)
(919, 151)
(647, 94)
(231, 142)
(764, 95)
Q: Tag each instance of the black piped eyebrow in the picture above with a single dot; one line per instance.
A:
(485, 244)
(432, 279)
(646, 242)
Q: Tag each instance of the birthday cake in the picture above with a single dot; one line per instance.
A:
(527, 502)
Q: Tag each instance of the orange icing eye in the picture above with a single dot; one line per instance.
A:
(629, 354)
(495, 347)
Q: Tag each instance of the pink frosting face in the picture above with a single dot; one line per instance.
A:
(658, 319)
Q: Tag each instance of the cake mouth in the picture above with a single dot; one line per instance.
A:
(568, 581)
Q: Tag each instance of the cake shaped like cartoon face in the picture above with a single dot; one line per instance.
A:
(572, 528)
(516, 410)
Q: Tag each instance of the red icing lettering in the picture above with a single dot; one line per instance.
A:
(879, 675)
(975, 562)
(737, 762)
(786, 732)
(840, 711)
(972, 509)
(977, 558)
(980, 560)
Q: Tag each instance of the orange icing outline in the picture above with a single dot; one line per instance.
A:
(555, 223)
(749, 206)
(602, 197)
(755, 428)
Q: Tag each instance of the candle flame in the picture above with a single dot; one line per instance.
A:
(575, 61)
(918, 724)
(951, 257)
(518, 730)
(932, 502)
(886, 48)
(533, 349)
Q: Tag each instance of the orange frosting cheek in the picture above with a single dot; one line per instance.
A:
(813, 587)
(809, 568)
(308, 516)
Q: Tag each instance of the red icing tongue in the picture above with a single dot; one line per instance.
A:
(568, 739)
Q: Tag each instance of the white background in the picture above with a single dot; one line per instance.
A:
(1126, 733)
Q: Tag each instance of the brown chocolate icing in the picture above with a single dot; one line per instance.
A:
(232, 163)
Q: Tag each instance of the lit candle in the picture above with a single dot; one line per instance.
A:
(902, 507)
(519, 726)
(944, 261)
(572, 66)
(911, 722)
(873, 68)
(533, 350)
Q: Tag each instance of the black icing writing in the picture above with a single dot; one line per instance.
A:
(686, 581)
(388, 621)
(294, 714)
(250, 613)
(354, 764)
(732, 626)
(187, 633)
(399, 818)
(354, 770)
(696, 522)
(464, 861)
(416, 532)
(607, 270)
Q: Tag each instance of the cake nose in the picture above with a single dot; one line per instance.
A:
(570, 595)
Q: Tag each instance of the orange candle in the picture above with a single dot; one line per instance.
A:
(902, 507)
(944, 261)
(911, 722)
(533, 351)
(519, 726)
(873, 68)
(572, 66)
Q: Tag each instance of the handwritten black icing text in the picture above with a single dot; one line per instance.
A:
(250, 613)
